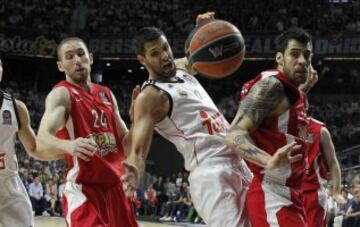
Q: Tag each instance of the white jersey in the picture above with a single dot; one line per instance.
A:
(9, 125)
(194, 124)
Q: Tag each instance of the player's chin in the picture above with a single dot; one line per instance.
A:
(169, 72)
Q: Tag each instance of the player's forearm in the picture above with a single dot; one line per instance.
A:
(137, 159)
(241, 142)
(50, 147)
(44, 155)
(335, 176)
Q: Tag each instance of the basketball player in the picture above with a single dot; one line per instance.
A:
(82, 124)
(321, 161)
(270, 125)
(15, 205)
(174, 103)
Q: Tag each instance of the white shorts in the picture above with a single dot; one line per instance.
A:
(15, 205)
(218, 189)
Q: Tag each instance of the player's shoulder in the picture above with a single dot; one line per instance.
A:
(317, 122)
(152, 93)
(20, 105)
(268, 80)
(59, 96)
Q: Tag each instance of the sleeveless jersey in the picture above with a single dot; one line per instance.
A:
(277, 131)
(91, 116)
(317, 173)
(194, 125)
(9, 125)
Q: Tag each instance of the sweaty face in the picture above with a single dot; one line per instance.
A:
(75, 61)
(158, 59)
(295, 61)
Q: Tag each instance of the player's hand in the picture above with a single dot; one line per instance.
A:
(313, 77)
(203, 18)
(135, 92)
(283, 157)
(130, 179)
(339, 199)
(83, 148)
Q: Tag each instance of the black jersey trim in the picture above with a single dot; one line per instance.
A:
(1, 98)
(153, 83)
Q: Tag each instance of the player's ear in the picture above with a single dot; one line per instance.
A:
(91, 58)
(279, 58)
(141, 59)
(60, 66)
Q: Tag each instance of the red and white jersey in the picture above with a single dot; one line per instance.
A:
(276, 131)
(317, 173)
(9, 125)
(194, 124)
(91, 116)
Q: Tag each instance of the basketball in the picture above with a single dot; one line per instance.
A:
(215, 49)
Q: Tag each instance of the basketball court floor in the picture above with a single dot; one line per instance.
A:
(60, 222)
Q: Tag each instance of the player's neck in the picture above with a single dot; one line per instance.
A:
(85, 85)
(164, 79)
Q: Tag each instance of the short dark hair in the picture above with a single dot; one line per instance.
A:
(299, 34)
(66, 40)
(144, 35)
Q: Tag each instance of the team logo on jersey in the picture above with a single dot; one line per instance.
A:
(182, 93)
(106, 142)
(104, 98)
(6, 117)
(214, 122)
(310, 137)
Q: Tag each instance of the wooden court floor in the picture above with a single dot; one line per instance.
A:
(60, 222)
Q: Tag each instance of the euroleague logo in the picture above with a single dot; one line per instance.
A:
(216, 51)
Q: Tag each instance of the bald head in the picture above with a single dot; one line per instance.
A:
(66, 41)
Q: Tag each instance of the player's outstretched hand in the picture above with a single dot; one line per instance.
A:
(339, 199)
(83, 148)
(283, 157)
(313, 77)
(204, 17)
(130, 179)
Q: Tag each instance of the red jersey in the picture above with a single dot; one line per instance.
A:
(276, 131)
(317, 172)
(91, 116)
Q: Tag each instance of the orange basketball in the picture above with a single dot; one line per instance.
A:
(215, 49)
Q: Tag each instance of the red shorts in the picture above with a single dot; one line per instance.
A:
(271, 204)
(97, 207)
(315, 205)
